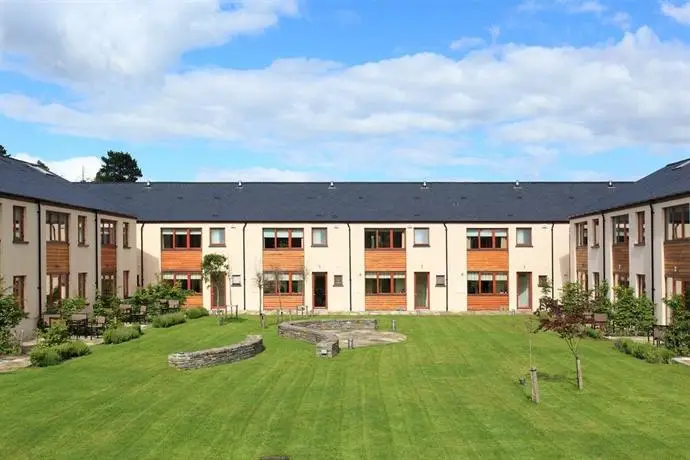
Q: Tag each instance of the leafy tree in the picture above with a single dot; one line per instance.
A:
(632, 315)
(3, 152)
(567, 319)
(677, 336)
(214, 267)
(118, 167)
(11, 314)
(601, 303)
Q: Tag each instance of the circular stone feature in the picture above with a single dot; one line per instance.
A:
(367, 338)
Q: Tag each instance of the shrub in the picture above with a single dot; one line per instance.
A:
(677, 336)
(194, 313)
(72, 349)
(44, 356)
(122, 334)
(56, 334)
(11, 314)
(153, 295)
(593, 333)
(169, 320)
(645, 351)
(632, 315)
(108, 307)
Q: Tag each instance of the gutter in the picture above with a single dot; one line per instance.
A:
(603, 246)
(553, 269)
(349, 256)
(40, 267)
(651, 229)
(97, 237)
(244, 270)
(445, 226)
(141, 257)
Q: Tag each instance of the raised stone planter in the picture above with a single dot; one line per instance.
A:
(318, 332)
(250, 347)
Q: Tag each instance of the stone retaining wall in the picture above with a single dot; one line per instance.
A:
(327, 343)
(250, 347)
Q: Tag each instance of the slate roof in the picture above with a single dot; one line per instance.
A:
(353, 201)
(671, 180)
(22, 179)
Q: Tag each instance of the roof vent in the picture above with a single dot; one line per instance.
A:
(148, 184)
(517, 184)
(331, 186)
(240, 184)
(610, 185)
(681, 164)
(425, 186)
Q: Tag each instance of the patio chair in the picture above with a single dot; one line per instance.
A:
(173, 305)
(600, 320)
(658, 333)
(126, 313)
(77, 325)
(589, 318)
(97, 326)
(139, 317)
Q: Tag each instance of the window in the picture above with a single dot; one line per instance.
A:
(595, 279)
(384, 238)
(108, 236)
(621, 229)
(125, 284)
(523, 237)
(125, 235)
(282, 283)
(487, 283)
(57, 286)
(181, 238)
(283, 238)
(641, 285)
(319, 237)
(19, 215)
(421, 237)
(81, 230)
(81, 285)
(677, 222)
(581, 234)
(217, 236)
(487, 239)
(337, 280)
(18, 283)
(108, 284)
(621, 279)
(582, 279)
(640, 227)
(376, 283)
(57, 224)
(543, 281)
(236, 280)
(595, 232)
(189, 281)
(440, 280)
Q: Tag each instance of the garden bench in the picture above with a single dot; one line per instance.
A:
(600, 320)
(658, 333)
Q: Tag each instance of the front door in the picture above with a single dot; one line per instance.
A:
(421, 290)
(320, 290)
(524, 290)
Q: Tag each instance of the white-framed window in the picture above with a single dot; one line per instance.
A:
(236, 280)
(421, 237)
(217, 236)
(319, 237)
(523, 236)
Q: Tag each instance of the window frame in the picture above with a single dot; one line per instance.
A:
(19, 290)
(392, 277)
(81, 284)
(61, 219)
(125, 235)
(62, 282)
(112, 234)
(274, 277)
(338, 281)
(211, 230)
(622, 220)
(528, 244)
(187, 276)
(493, 284)
(641, 221)
(19, 225)
(125, 284)
(581, 235)
(391, 237)
(440, 280)
(683, 210)
(494, 238)
(595, 233)
(109, 276)
(325, 237)
(275, 231)
(641, 285)
(232, 280)
(81, 231)
(188, 238)
(428, 237)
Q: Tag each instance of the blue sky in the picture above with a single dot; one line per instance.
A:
(349, 90)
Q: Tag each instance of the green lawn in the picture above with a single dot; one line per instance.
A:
(450, 391)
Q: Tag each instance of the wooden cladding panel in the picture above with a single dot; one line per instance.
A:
(288, 260)
(194, 301)
(487, 260)
(581, 258)
(388, 302)
(620, 259)
(57, 257)
(181, 260)
(385, 260)
(487, 302)
(108, 259)
(286, 302)
(677, 255)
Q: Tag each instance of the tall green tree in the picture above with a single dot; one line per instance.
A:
(3, 152)
(118, 167)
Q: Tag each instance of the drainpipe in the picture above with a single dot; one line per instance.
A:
(40, 267)
(553, 269)
(445, 226)
(244, 270)
(97, 236)
(141, 256)
(604, 247)
(349, 255)
(651, 230)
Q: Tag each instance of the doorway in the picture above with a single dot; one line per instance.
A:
(320, 287)
(524, 290)
(421, 290)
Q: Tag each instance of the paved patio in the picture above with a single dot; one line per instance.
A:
(367, 338)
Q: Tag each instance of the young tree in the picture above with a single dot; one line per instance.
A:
(677, 336)
(11, 314)
(567, 319)
(118, 167)
(632, 315)
(3, 152)
(214, 268)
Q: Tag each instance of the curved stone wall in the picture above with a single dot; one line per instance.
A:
(318, 332)
(248, 348)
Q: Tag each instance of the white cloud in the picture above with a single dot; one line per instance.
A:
(97, 41)
(257, 174)
(465, 43)
(622, 20)
(588, 6)
(70, 168)
(681, 13)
